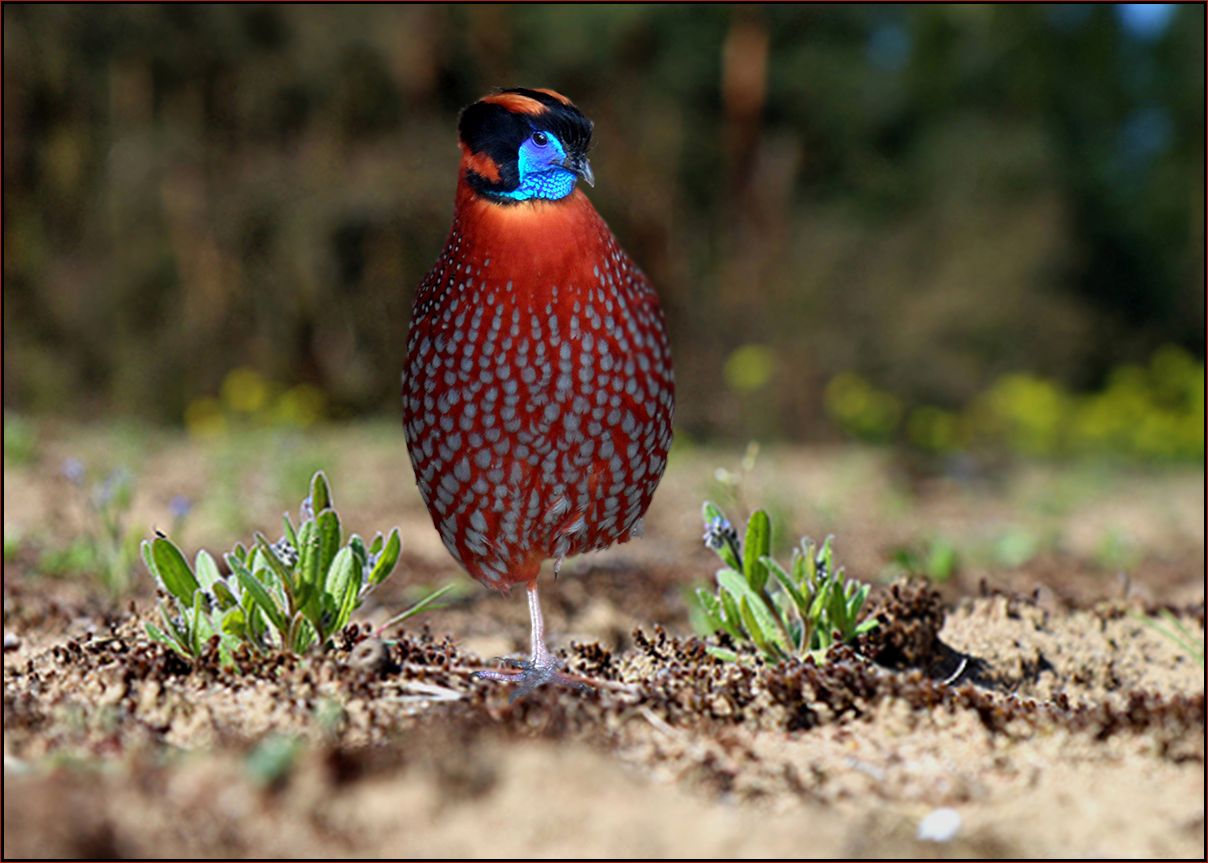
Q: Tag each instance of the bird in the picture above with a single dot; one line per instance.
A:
(538, 390)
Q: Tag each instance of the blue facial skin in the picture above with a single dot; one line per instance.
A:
(541, 172)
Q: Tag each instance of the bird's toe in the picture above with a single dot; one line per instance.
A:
(528, 675)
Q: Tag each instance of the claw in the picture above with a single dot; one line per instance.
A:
(530, 675)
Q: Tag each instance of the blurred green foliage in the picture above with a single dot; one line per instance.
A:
(272, 760)
(937, 558)
(1014, 547)
(20, 440)
(928, 197)
(107, 547)
(1153, 412)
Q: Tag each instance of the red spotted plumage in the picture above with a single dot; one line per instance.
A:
(538, 390)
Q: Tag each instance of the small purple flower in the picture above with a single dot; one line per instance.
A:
(285, 552)
(367, 570)
(720, 533)
(180, 506)
(820, 561)
(73, 471)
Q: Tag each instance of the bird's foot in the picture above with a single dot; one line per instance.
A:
(529, 674)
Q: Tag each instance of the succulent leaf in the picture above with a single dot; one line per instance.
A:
(758, 545)
(387, 558)
(173, 570)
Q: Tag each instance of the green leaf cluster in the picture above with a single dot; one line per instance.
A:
(285, 596)
(788, 612)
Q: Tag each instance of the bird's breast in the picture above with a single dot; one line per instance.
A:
(538, 401)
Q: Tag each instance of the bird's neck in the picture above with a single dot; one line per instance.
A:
(529, 239)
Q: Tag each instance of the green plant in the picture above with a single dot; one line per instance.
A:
(107, 548)
(1177, 634)
(794, 612)
(1116, 550)
(273, 759)
(937, 559)
(730, 485)
(1014, 547)
(284, 596)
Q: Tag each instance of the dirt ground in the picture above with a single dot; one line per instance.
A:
(1025, 695)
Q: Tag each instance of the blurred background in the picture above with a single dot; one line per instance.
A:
(944, 227)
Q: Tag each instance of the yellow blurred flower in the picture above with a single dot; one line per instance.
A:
(244, 391)
(1029, 411)
(1150, 412)
(299, 406)
(204, 418)
(247, 398)
(860, 408)
(749, 368)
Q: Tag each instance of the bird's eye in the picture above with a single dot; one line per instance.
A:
(540, 139)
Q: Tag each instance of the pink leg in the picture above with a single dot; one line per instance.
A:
(542, 667)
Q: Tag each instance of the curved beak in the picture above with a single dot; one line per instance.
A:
(582, 167)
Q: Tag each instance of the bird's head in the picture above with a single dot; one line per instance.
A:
(523, 145)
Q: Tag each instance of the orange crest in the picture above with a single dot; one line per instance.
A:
(521, 104)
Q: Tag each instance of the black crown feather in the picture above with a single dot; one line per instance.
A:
(490, 128)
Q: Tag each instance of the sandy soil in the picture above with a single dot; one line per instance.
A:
(1029, 699)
